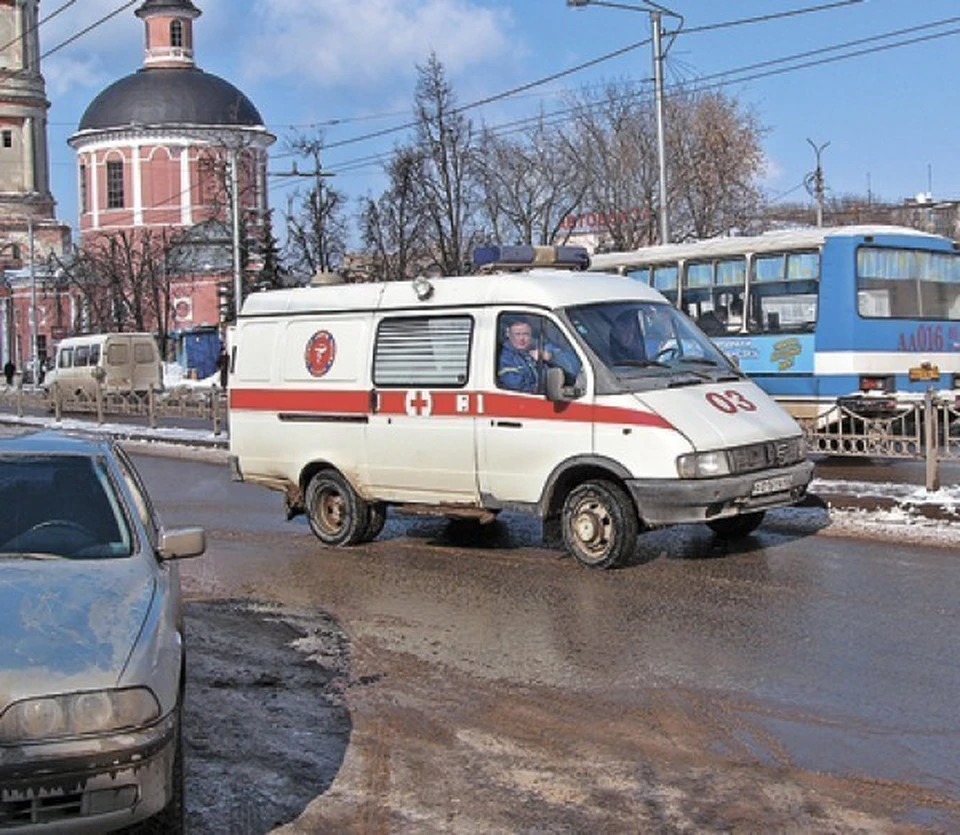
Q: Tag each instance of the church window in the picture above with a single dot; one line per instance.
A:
(176, 33)
(114, 184)
(84, 208)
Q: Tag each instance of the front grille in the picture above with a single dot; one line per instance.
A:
(38, 806)
(54, 807)
(767, 455)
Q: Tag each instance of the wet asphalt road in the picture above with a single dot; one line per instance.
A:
(834, 655)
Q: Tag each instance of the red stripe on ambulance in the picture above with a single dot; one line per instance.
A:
(438, 403)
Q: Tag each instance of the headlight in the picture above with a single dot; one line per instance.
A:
(703, 464)
(76, 714)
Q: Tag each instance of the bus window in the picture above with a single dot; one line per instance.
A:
(698, 291)
(665, 280)
(901, 284)
(642, 274)
(783, 296)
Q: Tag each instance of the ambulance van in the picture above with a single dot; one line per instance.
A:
(584, 398)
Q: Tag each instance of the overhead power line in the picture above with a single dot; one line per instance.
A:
(772, 67)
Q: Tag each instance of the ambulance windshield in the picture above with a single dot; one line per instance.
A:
(647, 338)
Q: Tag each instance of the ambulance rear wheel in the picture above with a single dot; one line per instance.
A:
(337, 515)
(599, 524)
(734, 527)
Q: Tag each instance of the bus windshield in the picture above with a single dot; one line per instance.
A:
(645, 338)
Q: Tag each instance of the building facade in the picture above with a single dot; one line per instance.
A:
(34, 308)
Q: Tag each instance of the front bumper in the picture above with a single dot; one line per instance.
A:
(95, 784)
(670, 502)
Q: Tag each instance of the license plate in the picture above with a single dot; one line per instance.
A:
(771, 485)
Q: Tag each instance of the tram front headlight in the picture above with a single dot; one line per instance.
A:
(703, 464)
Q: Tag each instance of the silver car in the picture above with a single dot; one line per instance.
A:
(91, 642)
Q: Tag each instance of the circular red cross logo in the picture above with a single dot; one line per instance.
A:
(320, 353)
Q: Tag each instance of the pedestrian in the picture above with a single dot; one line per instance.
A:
(223, 366)
(9, 369)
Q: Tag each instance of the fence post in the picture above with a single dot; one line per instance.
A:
(215, 396)
(152, 407)
(99, 398)
(932, 434)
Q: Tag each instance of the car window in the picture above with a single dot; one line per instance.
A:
(141, 499)
(62, 506)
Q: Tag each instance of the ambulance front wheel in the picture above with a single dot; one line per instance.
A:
(337, 515)
(599, 524)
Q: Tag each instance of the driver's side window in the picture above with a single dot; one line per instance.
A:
(529, 344)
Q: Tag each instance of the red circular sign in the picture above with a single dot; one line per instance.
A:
(320, 353)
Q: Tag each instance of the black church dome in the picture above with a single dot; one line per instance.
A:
(170, 96)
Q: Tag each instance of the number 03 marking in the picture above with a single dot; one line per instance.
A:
(730, 402)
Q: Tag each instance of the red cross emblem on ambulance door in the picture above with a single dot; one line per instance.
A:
(418, 403)
(320, 353)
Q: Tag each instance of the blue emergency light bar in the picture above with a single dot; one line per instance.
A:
(520, 256)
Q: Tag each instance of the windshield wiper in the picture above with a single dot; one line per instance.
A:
(30, 555)
(698, 361)
(642, 364)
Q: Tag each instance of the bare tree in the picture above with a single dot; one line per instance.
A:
(447, 189)
(715, 156)
(529, 185)
(392, 228)
(615, 140)
(125, 282)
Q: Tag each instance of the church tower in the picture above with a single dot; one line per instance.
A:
(31, 313)
(24, 161)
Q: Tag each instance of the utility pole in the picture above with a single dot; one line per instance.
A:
(318, 174)
(661, 131)
(817, 180)
(34, 351)
(235, 218)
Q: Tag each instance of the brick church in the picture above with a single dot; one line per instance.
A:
(167, 158)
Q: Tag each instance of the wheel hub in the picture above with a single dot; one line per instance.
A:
(588, 526)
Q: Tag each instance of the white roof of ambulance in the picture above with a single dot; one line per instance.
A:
(546, 288)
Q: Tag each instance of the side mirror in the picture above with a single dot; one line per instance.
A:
(555, 379)
(181, 543)
(99, 374)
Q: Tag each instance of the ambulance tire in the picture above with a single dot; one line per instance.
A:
(378, 518)
(337, 515)
(734, 527)
(600, 524)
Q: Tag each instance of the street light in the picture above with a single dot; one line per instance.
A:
(655, 11)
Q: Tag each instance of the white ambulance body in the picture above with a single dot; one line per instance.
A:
(353, 397)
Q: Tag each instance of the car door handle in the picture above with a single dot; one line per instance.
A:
(508, 424)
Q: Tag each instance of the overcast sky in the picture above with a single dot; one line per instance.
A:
(348, 68)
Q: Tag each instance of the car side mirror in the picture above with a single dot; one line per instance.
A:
(181, 543)
(555, 379)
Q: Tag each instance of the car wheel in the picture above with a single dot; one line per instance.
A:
(734, 527)
(599, 524)
(337, 515)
